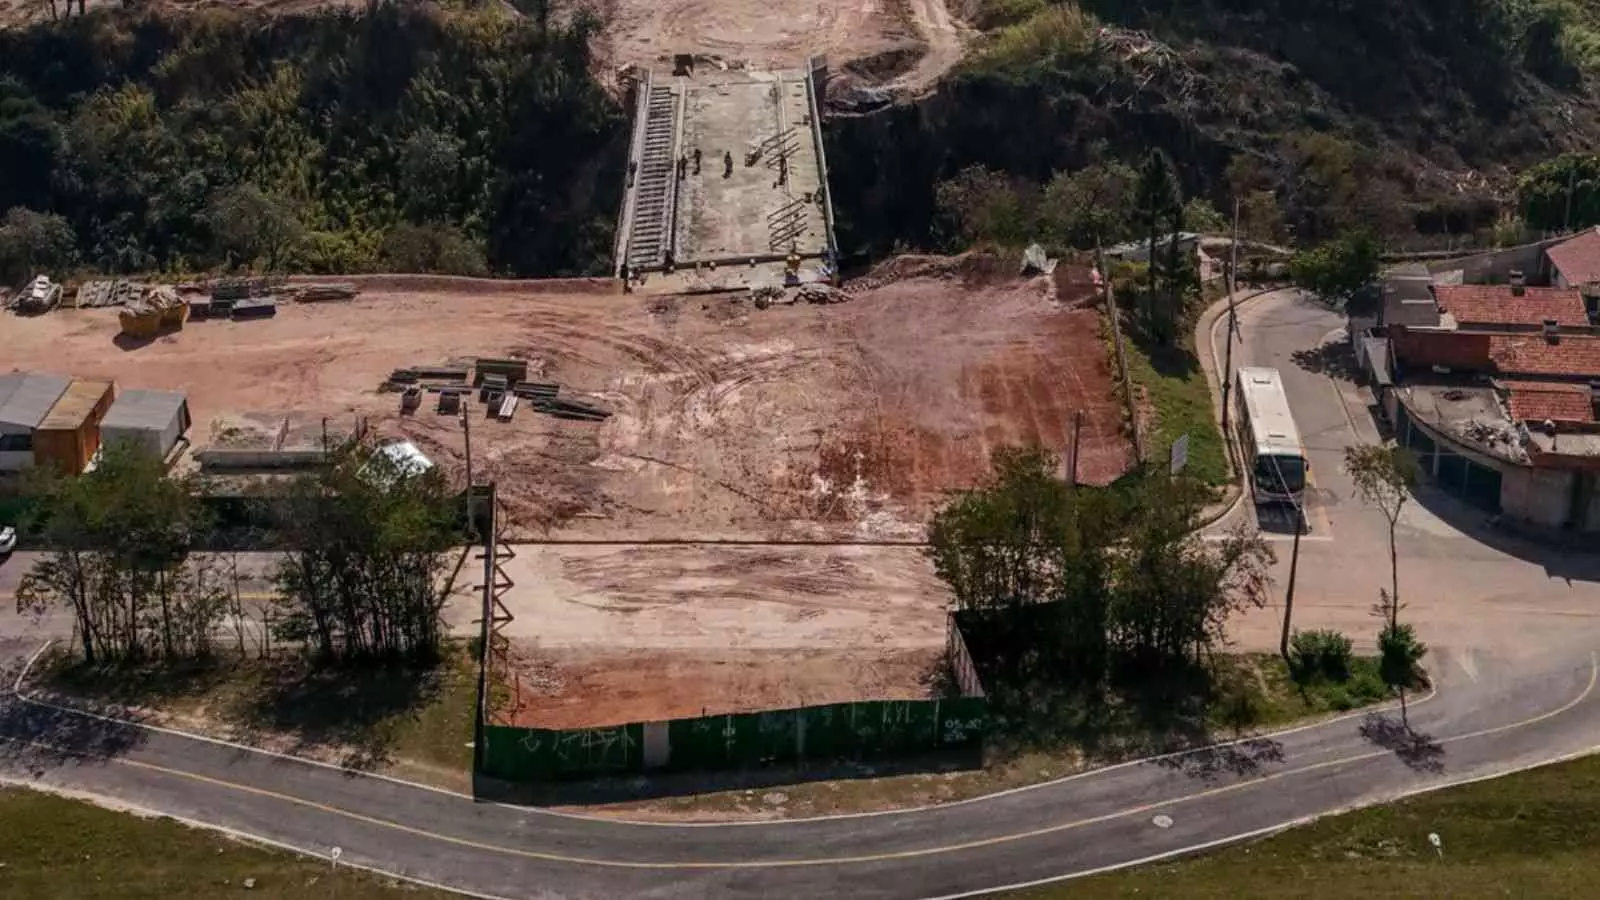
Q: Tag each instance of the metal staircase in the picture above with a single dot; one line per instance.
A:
(655, 184)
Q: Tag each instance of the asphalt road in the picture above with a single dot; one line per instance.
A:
(1514, 661)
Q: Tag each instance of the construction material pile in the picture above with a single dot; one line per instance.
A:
(157, 310)
(41, 295)
(321, 293)
(242, 298)
(98, 294)
(822, 293)
(501, 386)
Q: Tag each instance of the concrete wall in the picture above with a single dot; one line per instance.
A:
(1496, 266)
(1539, 497)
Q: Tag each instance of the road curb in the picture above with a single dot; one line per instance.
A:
(1207, 327)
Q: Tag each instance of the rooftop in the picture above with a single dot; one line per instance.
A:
(75, 406)
(1539, 401)
(1471, 414)
(1578, 258)
(1570, 356)
(26, 397)
(143, 408)
(1496, 304)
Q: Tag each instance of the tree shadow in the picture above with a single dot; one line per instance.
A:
(1169, 358)
(1335, 359)
(355, 710)
(40, 738)
(1418, 751)
(1242, 758)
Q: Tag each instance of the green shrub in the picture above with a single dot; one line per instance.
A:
(1320, 654)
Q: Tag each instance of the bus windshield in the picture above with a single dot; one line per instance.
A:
(1281, 474)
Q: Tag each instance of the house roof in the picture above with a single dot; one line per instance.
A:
(1452, 349)
(143, 409)
(1540, 400)
(1495, 304)
(1532, 354)
(76, 405)
(1578, 258)
(26, 397)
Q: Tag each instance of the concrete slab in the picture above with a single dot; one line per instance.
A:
(769, 202)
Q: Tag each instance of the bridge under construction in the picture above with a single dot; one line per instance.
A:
(726, 181)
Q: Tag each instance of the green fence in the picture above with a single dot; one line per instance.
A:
(865, 730)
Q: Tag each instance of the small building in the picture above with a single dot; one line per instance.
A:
(1575, 262)
(69, 436)
(153, 420)
(25, 400)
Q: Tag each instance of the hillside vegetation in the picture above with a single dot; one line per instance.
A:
(1410, 117)
(405, 138)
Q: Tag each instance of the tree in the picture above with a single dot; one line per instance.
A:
(30, 147)
(431, 248)
(979, 204)
(1070, 582)
(1562, 192)
(1338, 270)
(1385, 477)
(122, 537)
(1159, 204)
(1399, 657)
(32, 243)
(430, 162)
(367, 539)
(1091, 206)
(251, 226)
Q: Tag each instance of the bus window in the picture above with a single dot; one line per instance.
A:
(1281, 474)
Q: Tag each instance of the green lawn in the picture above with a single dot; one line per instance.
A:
(1177, 397)
(1535, 834)
(55, 847)
(413, 722)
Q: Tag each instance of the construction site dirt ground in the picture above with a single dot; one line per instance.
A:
(845, 423)
(648, 33)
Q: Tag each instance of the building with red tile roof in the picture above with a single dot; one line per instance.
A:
(1566, 356)
(1576, 261)
(1502, 305)
(1540, 401)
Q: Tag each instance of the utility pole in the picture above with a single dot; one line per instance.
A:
(1233, 322)
(1077, 430)
(466, 429)
(1288, 594)
(1121, 353)
(1572, 183)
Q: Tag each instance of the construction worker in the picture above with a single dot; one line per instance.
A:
(727, 164)
(697, 160)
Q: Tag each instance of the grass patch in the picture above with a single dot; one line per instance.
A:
(1533, 834)
(57, 847)
(1177, 397)
(409, 720)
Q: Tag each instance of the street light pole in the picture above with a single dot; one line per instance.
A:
(1233, 323)
(1288, 595)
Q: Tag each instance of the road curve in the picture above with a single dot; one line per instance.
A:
(1504, 719)
(1499, 706)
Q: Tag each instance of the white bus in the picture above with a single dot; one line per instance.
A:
(1269, 442)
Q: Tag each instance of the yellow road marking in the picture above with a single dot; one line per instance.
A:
(1594, 674)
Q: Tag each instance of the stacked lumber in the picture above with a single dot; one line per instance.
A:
(318, 293)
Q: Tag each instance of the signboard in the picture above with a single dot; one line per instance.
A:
(1180, 453)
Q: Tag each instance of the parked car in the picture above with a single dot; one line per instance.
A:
(8, 540)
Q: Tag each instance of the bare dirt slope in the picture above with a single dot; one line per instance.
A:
(848, 421)
(647, 33)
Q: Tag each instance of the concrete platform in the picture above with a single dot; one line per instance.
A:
(757, 196)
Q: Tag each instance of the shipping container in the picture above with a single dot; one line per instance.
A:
(70, 433)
